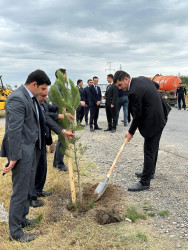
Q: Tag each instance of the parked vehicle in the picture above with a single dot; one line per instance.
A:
(103, 91)
(167, 87)
(4, 93)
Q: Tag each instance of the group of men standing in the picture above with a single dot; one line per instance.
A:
(91, 96)
(26, 128)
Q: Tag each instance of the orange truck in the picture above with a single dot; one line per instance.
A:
(167, 87)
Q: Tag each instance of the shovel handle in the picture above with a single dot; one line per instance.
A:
(117, 158)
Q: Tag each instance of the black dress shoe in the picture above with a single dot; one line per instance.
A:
(138, 187)
(25, 237)
(113, 130)
(44, 193)
(108, 129)
(92, 130)
(28, 223)
(139, 174)
(97, 128)
(36, 203)
(63, 168)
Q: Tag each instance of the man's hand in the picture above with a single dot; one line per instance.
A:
(112, 106)
(9, 167)
(67, 133)
(98, 103)
(70, 117)
(128, 136)
(82, 103)
(61, 116)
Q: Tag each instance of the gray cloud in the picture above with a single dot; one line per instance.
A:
(145, 37)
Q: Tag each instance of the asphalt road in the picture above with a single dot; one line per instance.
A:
(175, 135)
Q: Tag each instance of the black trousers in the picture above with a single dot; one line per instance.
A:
(94, 114)
(181, 98)
(86, 112)
(41, 172)
(79, 114)
(58, 157)
(111, 114)
(151, 147)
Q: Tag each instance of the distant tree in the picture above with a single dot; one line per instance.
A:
(184, 80)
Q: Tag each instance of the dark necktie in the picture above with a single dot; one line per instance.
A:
(96, 89)
(37, 111)
(108, 87)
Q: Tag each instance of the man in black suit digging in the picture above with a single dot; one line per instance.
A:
(146, 108)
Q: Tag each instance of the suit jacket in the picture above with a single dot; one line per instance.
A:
(22, 129)
(52, 111)
(81, 91)
(51, 118)
(94, 96)
(86, 95)
(111, 95)
(146, 107)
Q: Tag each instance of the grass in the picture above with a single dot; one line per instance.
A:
(58, 228)
(2, 113)
(36, 221)
(133, 214)
(164, 213)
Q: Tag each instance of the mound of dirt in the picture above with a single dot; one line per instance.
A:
(109, 216)
(106, 209)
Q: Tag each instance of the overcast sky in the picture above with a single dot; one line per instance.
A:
(145, 37)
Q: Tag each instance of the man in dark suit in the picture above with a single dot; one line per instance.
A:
(80, 109)
(51, 116)
(111, 96)
(21, 145)
(181, 90)
(58, 161)
(146, 107)
(86, 100)
(94, 104)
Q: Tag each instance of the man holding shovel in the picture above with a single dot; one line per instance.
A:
(146, 108)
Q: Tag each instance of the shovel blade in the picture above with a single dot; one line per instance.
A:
(101, 189)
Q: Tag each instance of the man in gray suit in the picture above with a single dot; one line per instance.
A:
(21, 144)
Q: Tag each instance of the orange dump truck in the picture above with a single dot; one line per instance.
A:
(167, 87)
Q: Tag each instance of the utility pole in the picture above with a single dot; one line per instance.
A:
(120, 67)
(110, 69)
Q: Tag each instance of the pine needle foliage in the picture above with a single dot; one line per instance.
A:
(67, 98)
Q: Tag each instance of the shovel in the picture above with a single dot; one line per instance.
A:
(103, 185)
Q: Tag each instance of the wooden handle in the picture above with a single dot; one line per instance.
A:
(71, 177)
(117, 158)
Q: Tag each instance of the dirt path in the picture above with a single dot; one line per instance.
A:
(169, 189)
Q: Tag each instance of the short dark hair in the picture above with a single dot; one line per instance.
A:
(89, 80)
(95, 77)
(111, 76)
(62, 70)
(79, 81)
(120, 75)
(38, 76)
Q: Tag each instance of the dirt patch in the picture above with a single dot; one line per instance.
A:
(106, 210)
